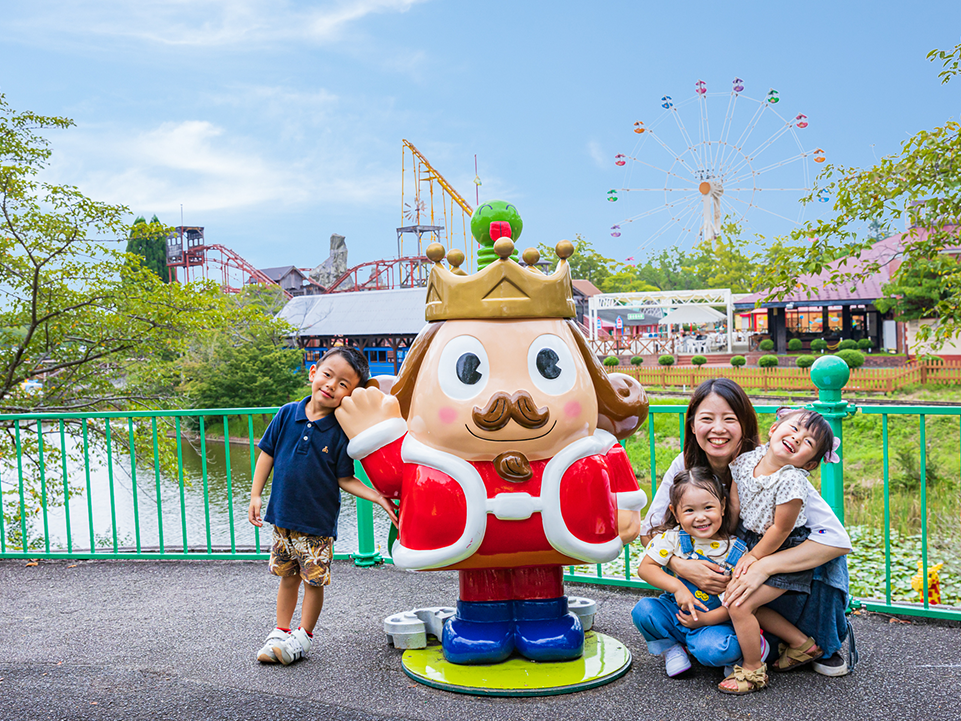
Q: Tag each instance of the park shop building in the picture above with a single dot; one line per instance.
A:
(834, 313)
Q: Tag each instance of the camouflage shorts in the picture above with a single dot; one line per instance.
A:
(294, 553)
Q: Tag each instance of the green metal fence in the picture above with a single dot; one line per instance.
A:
(114, 486)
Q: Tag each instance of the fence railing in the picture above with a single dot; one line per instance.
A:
(798, 379)
(176, 485)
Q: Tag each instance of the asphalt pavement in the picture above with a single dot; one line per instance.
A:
(177, 640)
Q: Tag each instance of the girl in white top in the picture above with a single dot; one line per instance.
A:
(771, 486)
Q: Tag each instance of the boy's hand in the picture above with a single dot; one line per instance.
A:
(364, 408)
(253, 511)
(390, 508)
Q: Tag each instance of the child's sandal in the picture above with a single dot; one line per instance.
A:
(747, 681)
(792, 658)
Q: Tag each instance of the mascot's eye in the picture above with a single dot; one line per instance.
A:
(547, 363)
(463, 368)
(467, 366)
(551, 364)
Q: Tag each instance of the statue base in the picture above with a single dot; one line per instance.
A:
(605, 659)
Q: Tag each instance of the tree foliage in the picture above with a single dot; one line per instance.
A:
(149, 242)
(918, 187)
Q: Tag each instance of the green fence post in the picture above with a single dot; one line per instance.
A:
(829, 374)
(367, 553)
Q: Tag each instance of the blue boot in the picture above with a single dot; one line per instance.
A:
(546, 631)
(480, 632)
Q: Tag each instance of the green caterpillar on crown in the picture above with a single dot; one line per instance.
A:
(493, 220)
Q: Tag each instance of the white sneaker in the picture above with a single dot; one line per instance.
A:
(293, 647)
(266, 654)
(676, 660)
(833, 665)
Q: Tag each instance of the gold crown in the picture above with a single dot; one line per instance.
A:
(504, 289)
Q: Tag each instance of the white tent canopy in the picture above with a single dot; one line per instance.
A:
(696, 314)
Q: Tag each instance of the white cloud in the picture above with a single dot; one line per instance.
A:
(598, 155)
(207, 23)
(200, 165)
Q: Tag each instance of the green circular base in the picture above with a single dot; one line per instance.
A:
(604, 660)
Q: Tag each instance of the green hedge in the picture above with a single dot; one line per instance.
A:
(804, 361)
(847, 344)
(767, 361)
(611, 360)
(795, 344)
(854, 358)
(819, 344)
(766, 344)
(636, 360)
(865, 344)
(666, 360)
(738, 360)
(698, 360)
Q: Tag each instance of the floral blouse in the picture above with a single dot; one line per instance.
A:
(759, 496)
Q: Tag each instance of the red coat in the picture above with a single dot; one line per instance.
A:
(460, 514)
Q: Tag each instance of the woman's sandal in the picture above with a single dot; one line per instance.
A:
(747, 681)
(792, 658)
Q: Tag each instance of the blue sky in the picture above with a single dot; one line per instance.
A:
(275, 124)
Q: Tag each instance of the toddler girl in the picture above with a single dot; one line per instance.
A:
(771, 485)
(697, 524)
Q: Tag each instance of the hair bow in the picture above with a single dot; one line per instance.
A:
(832, 456)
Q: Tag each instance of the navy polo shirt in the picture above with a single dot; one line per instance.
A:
(309, 457)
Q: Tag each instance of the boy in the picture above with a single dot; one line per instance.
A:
(312, 466)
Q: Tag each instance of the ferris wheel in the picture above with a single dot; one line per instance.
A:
(739, 158)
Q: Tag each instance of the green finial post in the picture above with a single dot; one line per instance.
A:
(830, 374)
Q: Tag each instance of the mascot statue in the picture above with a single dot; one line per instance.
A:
(500, 437)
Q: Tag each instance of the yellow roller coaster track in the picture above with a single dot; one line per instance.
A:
(449, 189)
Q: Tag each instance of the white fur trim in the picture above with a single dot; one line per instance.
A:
(376, 437)
(556, 530)
(514, 506)
(631, 500)
(472, 485)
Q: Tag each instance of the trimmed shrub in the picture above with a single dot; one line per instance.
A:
(738, 360)
(767, 361)
(611, 360)
(847, 344)
(698, 360)
(854, 358)
(865, 344)
(795, 344)
(666, 360)
(766, 344)
(819, 344)
(804, 361)
(636, 360)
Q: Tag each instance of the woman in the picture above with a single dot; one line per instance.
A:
(720, 425)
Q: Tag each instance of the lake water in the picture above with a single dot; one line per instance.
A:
(225, 495)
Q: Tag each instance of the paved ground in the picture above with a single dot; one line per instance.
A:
(176, 640)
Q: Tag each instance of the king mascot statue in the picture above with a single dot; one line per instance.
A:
(499, 437)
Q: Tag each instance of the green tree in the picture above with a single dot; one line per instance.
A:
(669, 269)
(725, 261)
(919, 184)
(586, 263)
(149, 242)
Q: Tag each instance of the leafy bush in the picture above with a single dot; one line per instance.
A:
(795, 344)
(854, 358)
(766, 344)
(937, 360)
(767, 361)
(847, 344)
(865, 344)
(636, 360)
(804, 361)
(738, 360)
(819, 344)
(666, 360)
(611, 360)
(698, 360)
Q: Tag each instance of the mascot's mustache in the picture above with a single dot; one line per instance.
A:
(502, 407)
